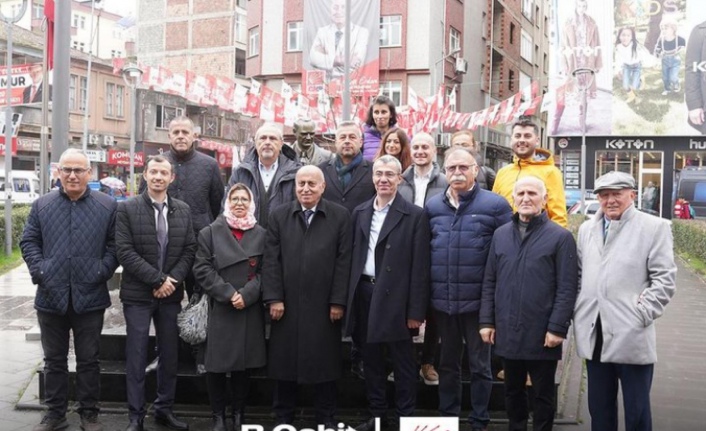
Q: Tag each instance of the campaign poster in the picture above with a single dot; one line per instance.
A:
(324, 46)
(27, 86)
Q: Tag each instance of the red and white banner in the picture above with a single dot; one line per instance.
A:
(27, 85)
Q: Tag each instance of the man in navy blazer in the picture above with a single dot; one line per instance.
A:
(388, 289)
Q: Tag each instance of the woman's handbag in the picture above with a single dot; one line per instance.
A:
(193, 321)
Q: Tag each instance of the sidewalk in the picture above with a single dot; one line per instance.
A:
(678, 391)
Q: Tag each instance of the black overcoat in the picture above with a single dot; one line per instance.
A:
(402, 267)
(236, 338)
(308, 270)
(359, 190)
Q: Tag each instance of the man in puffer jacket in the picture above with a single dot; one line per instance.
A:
(462, 221)
(538, 162)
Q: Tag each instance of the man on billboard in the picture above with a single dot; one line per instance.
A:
(328, 50)
(33, 93)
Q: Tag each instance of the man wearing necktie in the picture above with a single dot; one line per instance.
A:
(33, 93)
(628, 277)
(328, 50)
(156, 246)
(305, 285)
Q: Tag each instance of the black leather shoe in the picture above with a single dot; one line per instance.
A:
(357, 369)
(135, 426)
(170, 421)
(369, 425)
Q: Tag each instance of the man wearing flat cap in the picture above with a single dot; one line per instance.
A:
(628, 277)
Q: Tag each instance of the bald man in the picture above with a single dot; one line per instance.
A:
(305, 286)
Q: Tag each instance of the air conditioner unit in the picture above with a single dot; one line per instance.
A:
(108, 140)
(93, 140)
(461, 65)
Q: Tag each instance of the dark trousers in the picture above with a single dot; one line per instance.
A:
(542, 375)
(431, 338)
(137, 321)
(403, 361)
(454, 330)
(218, 390)
(55, 330)
(285, 401)
(635, 383)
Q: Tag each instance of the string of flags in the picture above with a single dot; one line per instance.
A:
(286, 106)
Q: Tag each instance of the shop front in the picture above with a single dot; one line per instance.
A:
(658, 164)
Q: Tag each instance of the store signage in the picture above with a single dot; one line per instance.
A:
(630, 144)
(122, 158)
(97, 156)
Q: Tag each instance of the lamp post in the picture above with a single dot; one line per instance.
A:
(584, 78)
(131, 75)
(10, 20)
(435, 82)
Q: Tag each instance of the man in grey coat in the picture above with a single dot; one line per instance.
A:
(628, 278)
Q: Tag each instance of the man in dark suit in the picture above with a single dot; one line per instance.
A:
(155, 244)
(305, 285)
(33, 93)
(388, 289)
(349, 180)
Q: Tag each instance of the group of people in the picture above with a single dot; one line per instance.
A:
(352, 247)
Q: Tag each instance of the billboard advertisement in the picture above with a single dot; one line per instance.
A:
(648, 59)
(27, 86)
(324, 46)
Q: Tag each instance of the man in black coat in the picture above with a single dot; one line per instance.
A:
(156, 246)
(388, 289)
(528, 296)
(348, 176)
(305, 285)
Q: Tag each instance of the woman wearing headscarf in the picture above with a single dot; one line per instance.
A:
(228, 265)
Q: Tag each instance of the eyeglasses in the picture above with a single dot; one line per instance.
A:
(76, 171)
(461, 168)
(239, 200)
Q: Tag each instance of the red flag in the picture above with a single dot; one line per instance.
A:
(534, 106)
(49, 14)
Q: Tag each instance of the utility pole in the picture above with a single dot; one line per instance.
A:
(60, 93)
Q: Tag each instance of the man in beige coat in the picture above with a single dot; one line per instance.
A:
(628, 277)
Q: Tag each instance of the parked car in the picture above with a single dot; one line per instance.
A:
(25, 188)
(592, 207)
(574, 195)
(691, 186)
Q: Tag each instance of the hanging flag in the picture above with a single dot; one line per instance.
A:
(548, 100)
(254, 87)
(513, 103)
(499, 109)
(534, 106)
(49, 15)
(412, 99)
(240, 98)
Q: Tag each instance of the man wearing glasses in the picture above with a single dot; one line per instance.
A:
(69, 247)
(307, 151)
(462, 220)
(269, 171)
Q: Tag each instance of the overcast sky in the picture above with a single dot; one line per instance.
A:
(121, 7)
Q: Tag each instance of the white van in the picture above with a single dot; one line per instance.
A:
(25, 188)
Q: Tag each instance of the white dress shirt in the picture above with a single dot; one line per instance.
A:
(379, 215)
(421, 182)
(268, 174)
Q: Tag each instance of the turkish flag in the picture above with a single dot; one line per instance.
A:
(49, 14)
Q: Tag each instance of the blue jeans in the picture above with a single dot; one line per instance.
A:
(670, 72)
(55, 330)
(454, 329)
(631, 76)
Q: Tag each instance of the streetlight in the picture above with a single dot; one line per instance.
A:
(584, 78)
(17, 14)
(132, 75)
(435, 84)
(88, 73)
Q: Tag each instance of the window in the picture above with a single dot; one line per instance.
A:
(240, 62)
(390, 30)
(393, 90)
(114, 100)
(454, 40)
(74, 21)
(115, 53)
(526, 46)
(241, 26)
(72, 92)
(37, 11)
(165, 114)
(243, 4)
(254, 41)
(527, 8)
(83, 94)
(82, 22)
(525, 81)
(512, 33)
(295, 31)
(78, 45)
(211, 126)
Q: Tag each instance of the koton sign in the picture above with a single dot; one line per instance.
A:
(122, 158)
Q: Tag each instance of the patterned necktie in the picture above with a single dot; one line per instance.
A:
(339, 34)
(162, 237)
(606, 226)
(307, 216)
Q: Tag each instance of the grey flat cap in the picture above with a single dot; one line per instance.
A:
(614, 180)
